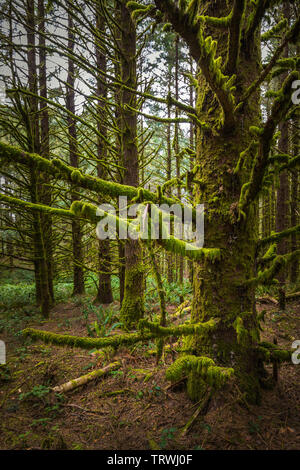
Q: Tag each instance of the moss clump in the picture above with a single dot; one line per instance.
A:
(202, 372)
(241, 332)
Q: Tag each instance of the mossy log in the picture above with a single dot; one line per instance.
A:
(84, 379)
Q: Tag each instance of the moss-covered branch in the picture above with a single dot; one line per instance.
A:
(156, 331)
(216, 22)
(84, 342)
(270, 353)
(84, 379)
(13, 201)
(180, 330)
(259, 9)
(267, 276)
(88, 212)
(264, 137)
(275, 30)
(191, 114)
(291, 36)
(278, 236)
(61, 170)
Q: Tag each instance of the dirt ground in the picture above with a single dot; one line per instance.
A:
(135, 407)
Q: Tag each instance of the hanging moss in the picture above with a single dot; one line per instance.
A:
(241, 332)
(202, 367)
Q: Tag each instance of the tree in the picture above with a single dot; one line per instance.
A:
(104, 294)
(74, 161)
(232, 166)
(133, 301)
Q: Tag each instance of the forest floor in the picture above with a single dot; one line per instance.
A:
(135, 407)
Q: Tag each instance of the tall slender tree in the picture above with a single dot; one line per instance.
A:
(78, 274)
(133, 302)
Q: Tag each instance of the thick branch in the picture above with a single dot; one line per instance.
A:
(61, 170)
(234, 41)
(267, 276)
(290, 36)
(265, 135)
(278, 236)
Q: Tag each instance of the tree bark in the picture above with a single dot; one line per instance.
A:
(78, 275)
(104, 293)
(133, 302)
(282, 206)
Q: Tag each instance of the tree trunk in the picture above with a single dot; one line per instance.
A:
(294, 269)
(282, 209)
(133, 302)
(104, 293)
(78, 275)
(219, 289)
(40, 264)
(46, 198)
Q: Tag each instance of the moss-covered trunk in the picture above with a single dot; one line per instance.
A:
(104, 293)
(43, 297)
(219, 289)
(133, 302)
(78, 273)
(46, 191)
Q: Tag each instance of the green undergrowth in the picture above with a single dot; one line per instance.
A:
(174, 293)
(106, 319)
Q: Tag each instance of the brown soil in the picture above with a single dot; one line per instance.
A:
(144, 412)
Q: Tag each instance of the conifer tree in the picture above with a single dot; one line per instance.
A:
(235, 160)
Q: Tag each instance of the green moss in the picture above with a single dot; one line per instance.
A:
(86, 343)
(215, 22)
(202, 371)
(58, 168)
(132, 309)
(180, 330)
(267, 276)
(273, 32)
(271, 353)
(241, 332)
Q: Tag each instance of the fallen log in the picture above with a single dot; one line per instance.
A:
(267, 299)
(201, 408)
(72, 384)
(292, 296)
